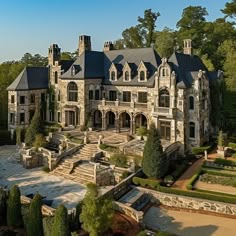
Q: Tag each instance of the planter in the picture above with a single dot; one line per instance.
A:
(145, 138)
(138, 137)
(221, 153)
(90, 129)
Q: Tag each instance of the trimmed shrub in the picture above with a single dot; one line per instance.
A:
(34, 225)
(142, 131)
(193, 179)
(144, 182)
(119, 160)
(232, 145)
(200, 150)
(60, 224)
(46, 169)
(14, 217)
(224, 162)
(218, 173)
(179, 170)
(39, 141)
(47, 225)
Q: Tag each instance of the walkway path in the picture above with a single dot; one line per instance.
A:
(186, 176)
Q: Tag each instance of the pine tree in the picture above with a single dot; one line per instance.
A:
(14, 217)
(3, 206)
(33, 129)
(155, 163)
(34, 225)
(97, 212)
(60, 225)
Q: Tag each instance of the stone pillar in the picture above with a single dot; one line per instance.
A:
(117, 125)
(132, 125)
(104, 124)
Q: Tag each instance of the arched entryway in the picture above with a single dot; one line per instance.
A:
(124, 120)
(141, 120)
(97, 118)
(110, 119)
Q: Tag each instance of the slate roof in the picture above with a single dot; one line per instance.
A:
(92, 64)
(30, 78)
(186, 67)
(66, 64)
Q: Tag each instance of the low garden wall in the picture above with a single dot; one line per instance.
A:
(173, 200)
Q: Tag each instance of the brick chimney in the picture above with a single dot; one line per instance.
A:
(188, 47)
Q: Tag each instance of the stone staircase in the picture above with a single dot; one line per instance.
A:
(67, 165)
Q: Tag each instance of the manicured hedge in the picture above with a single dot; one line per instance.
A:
(193, 179)
(146, 183)
(200, 150)
(224, 162)
(214, 192)
(218, 173)
(205, 165)
(232, 145)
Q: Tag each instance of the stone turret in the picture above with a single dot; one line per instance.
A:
(54, 54)
(84, 44)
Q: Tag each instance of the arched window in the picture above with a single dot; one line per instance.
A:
(191, 129)
(113, 75)
(164, 98)
(56, 77)
(142, 76)
(127, 76)
(164, 72)
(72, 92)
(191, 103)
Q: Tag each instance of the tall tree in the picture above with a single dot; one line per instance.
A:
(191, 25)
(97, 208)
(34, 225)
(60, 225)
(230, 9)
(155, 163)
(165, 42)
(14, 217)
(147, 25)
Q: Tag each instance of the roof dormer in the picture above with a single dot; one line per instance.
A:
(113, 73)
(127, 72)
(142, 72)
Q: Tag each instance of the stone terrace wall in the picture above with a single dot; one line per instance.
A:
(173, 200)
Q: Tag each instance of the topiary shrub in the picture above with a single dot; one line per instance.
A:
(3, 206)
(119, 160)
(200, 150)
(142, 131)
(46, 169)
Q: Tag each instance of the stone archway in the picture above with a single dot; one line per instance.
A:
(124, 120)
(97, 119)
(141, 120)
(110, 119)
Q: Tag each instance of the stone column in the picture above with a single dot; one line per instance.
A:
(104, 125)
(117, 125)
(132, 124)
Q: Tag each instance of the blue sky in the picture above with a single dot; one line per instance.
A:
(32, 25)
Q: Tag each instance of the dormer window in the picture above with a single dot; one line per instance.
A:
(113, 73)
(73, 71)
(142, 76)
(142, 72)
(127, 76)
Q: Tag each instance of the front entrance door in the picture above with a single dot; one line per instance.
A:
(70, 118)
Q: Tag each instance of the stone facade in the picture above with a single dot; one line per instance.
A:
(126, 93)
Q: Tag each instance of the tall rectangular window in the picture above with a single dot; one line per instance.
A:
(97, 97)
(142, 97)
(112, 95)
(59, 116)
(43, 97)
(32, 98)
(90, 94)
(12, 118)
(22, 118)
(126, 96)
(12, 99)
(22, 99)
(165, 129)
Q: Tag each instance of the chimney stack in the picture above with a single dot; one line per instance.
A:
(108, 46)
(188, 47)
(84, 44)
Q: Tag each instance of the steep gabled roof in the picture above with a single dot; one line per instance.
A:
(185, 65)
(30, 78)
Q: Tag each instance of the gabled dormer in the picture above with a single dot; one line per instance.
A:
(142, 72)
(75, 69)
(126, 72)
(164, 69)
(113, 73)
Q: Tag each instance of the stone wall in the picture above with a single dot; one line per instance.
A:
(172, 200)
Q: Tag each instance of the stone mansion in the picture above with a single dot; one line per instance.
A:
(119, 90)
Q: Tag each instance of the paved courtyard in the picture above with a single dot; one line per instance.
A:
(186, 224)
(30, 181)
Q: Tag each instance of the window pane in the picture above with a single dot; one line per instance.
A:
(142, 97)
(126, 96)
